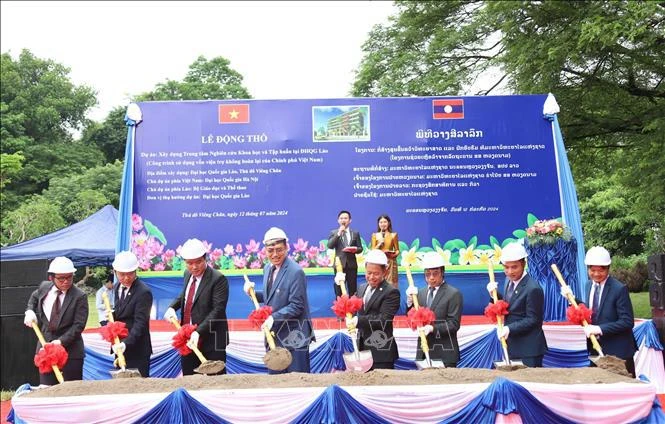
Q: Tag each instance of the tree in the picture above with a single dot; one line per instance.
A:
(32, 219)
(206, 80)
(40, 107)
(602, 60)
(110, 136)
(80, 195)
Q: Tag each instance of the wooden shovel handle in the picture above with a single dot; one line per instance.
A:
(571, 299)
(41, 339)
(266, 331)
(195, 349)
(423, 338)
(107, 304)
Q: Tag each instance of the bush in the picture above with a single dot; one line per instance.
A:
(632, 271)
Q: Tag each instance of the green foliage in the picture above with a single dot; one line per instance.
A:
(602, 60)
(10, 165)
(40, 107)
(32, 219)
(110, 136)
(80, 195)
(212, 79)
(641, 305)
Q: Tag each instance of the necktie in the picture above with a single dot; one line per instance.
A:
(595, 300)
(123, 294)
(430, 297)
(509, 292)
(55, 312)
(187, 313)
(346, 237)
(271, 276)
(368, 295)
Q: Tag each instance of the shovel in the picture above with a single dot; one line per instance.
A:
(277, 358)
(359, 361)
(123, 372)
(424, 346)
(206, 367)
(506, 364)
(41, 339)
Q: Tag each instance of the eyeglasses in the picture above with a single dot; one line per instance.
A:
(275, 250)
(435, 271)
(62, 279)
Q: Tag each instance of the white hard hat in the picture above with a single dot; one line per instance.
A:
(193, 249)
(513, 252)
(376, 257)
(61, 265)
(597, 255)
(274, 233)
(432, 260)
(125, 262)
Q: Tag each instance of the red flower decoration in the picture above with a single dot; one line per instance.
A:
(259, 316)
(181, 338)
(51, 354)
(493, 310)
(420, 318)
(579, 314)
(113, 329)
(345, 304)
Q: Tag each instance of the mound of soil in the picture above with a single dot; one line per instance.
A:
(372, 378)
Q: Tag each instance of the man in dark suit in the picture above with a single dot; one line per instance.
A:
(523, 329)
(446, 303)
(285, 290)
(203, 302)
(375, 319)
(612, 317)
(61, 311)
(347, 244)
(133, 300)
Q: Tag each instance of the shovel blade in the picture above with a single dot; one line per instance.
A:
(424, 364)
(512, 366)
(358, 362)
(210, 367)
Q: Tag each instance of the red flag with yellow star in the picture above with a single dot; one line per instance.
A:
(234, 113)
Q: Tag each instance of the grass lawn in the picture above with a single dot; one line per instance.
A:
(93, 321)
(641, 306)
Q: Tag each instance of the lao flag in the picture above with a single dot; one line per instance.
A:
(234, 113)
(448, 109)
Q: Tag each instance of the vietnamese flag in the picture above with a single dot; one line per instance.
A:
(234, 113)
(448, 108)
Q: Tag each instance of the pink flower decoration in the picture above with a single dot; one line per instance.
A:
(304, 264)
(228, 250)
(168, 256)
(255, 264)
(239, 262)
(215, 255)
(206, 245)
(238, 248)
(312, 253)
(300, 246)
(137, 222)
(159, 266)
(323, 261)
(144, 264)
(252, 247)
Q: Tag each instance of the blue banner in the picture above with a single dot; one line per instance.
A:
(456, 175)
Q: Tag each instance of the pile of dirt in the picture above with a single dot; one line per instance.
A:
(372, 378)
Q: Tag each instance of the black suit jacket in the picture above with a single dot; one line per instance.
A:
(525, 319)
(616, 320)
(208, 310)
(70, 325)
(375, 322)
(447, 308)
(134, 311)
(335, 242)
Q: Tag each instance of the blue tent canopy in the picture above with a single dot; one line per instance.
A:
(89, 242)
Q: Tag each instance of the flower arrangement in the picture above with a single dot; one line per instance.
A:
(547, 232)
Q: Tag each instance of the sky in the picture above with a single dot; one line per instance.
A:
(284, 50)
